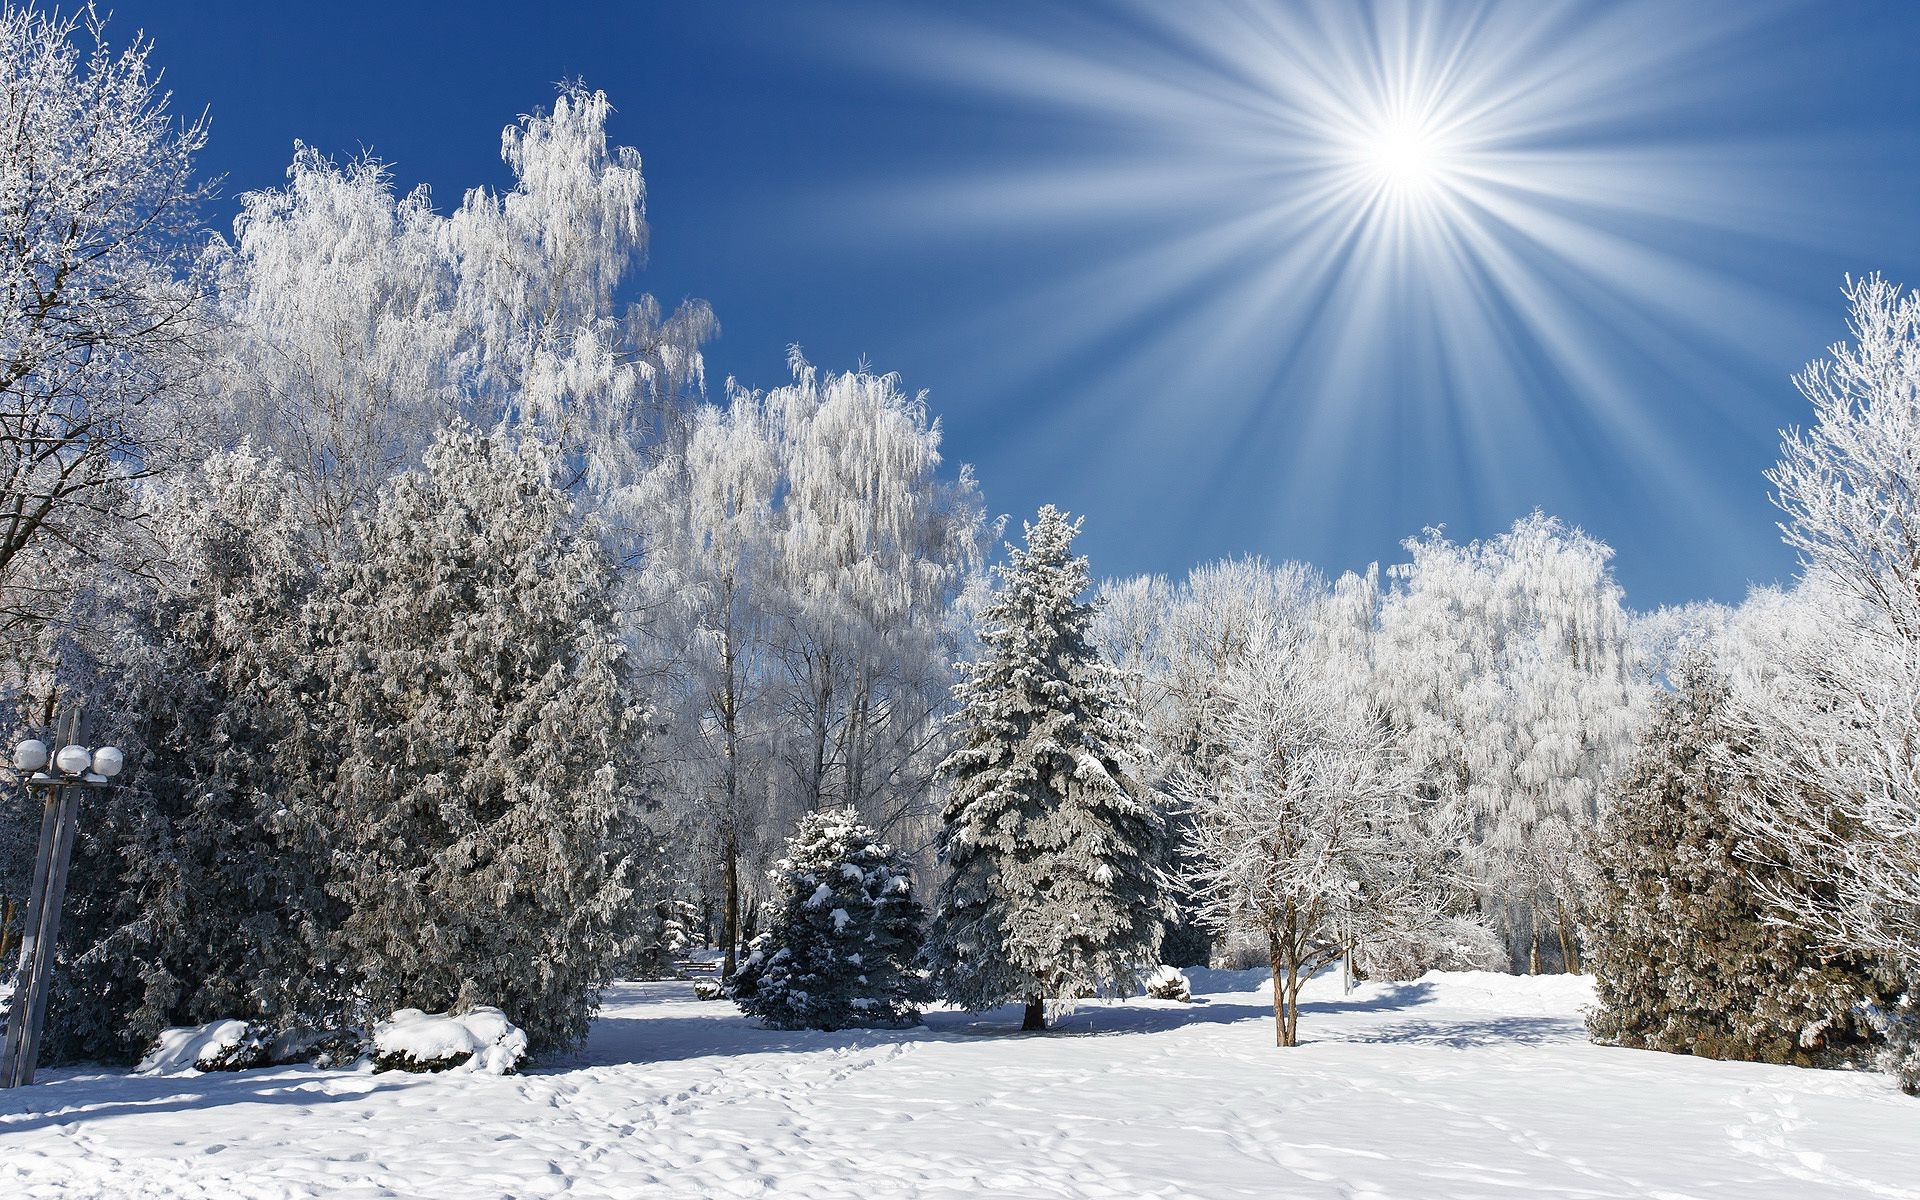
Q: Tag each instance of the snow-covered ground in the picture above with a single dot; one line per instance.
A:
(1455, 1085)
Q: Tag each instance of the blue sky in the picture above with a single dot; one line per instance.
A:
(1126, 251)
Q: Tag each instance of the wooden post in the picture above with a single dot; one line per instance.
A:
(41, 933)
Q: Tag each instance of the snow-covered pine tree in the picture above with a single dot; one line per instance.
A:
(1052, 891)
(485, 819)
(191, 898)
(843, 946)
(1685, 954)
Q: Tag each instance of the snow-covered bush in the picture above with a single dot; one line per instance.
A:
(709, 989)
(480, 1039)
(1054, 888)
(321, 1047)
(1167, 983)
(1686, 955)
(845, 936)
(228, 1045)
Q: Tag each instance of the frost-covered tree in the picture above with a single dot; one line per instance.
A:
(1052, 889)
(99, 316)
(485, 813)
(708, 575)
(1838, 743)
(874, 546)
(1686, 953)
(1304, 829)
(357, 322)
(1221, 616)
(843, 944)
(1508, 669)
(337, 338)
(191, 897)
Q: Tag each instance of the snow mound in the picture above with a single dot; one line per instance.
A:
(1167, 983)
(228, 1045)
(480, 1040)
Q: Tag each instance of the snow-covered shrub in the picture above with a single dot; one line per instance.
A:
(845, 934)
(191, 898)
(709, 989)
(228, 1045)
(1686, 957)
(480, 1039)
(321, 1047)
(1167, 983)
(1054, 888)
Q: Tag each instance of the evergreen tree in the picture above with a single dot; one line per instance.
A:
(845, 937)
(484, 816)
(192, 899)
(1684, 954)
(1052, 891)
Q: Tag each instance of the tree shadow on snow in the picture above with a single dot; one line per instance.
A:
(64, 1101)
(1390, 997)
(1488, 1031)
(620, 1041)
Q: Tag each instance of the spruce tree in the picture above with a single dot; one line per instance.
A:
(1052, 890)
(843, 947)
(1684, 954)
(484, 814)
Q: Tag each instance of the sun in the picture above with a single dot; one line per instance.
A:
(1404, 156)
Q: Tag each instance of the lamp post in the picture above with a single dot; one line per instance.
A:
(62, 775)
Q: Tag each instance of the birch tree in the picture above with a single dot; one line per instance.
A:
(1507, 667)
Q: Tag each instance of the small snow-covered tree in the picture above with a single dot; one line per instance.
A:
(843, 944)
(1685, 951)
(1302, 829)
(1052, 890)
(485, 811)
(99, 314)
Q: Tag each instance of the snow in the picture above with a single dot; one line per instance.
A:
(482, 1036)
(1448, 1086)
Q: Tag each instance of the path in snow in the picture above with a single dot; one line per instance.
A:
(1455, 1085)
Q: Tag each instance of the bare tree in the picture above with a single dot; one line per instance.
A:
(100, 313)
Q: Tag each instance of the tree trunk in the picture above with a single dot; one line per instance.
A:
(730, 936)
(1286, 993)
(1036, 1015)
(1533, 949)
(1569, 942)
